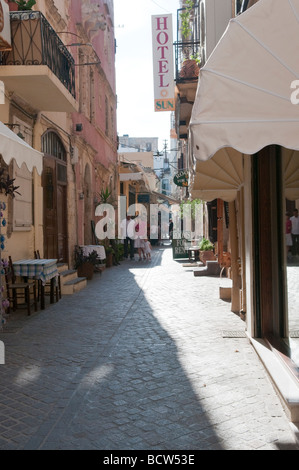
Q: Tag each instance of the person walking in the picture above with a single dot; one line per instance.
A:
(127, 236)
(148, 249)
(295, 232)
(140, 230)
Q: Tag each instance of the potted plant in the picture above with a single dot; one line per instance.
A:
(206, 251)
(190, 65)
(109, 256)
(85, 265)
(21, 5)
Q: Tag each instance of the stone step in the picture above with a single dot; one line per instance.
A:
(62, 267)
(68, 275)
(212, 268)
(74, 285)
(225, 289)
(69, 280)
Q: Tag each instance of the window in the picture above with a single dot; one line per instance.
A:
(52, 145)
(22, 204)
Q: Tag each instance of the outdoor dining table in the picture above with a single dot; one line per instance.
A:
(40, 269)
(88, 249)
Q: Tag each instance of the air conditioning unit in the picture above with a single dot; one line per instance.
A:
(5, 35)
(214, 19)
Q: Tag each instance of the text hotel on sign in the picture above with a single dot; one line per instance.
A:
(163, 63)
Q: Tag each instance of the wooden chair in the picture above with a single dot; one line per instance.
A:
(47, 290)
(16, 290)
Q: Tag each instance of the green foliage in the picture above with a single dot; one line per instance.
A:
(206, 245)
(196, 58)
(104, 195)
(192, 204)
(7, 185)
(23, 5)
(80, 258)
(185, 19)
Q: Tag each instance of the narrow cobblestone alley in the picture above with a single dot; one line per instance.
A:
(137, 361)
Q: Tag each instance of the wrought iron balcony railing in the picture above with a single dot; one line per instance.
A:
(187, 60)
(187, 46)
(35, 42)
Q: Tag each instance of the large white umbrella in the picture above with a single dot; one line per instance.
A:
(243, 99)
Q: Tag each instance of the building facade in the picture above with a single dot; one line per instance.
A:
(235, 159)
(63, 102)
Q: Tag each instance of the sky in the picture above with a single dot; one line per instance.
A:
(134, 68)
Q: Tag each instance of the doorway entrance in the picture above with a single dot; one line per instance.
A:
(55, 198)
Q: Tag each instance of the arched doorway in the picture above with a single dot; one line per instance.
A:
(55, 197)
(88, 215)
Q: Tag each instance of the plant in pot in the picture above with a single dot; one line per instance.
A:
(191, 60)
(21, 5)
(206, 251)
(85, 264)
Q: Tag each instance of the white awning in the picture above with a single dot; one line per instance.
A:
(243, 99)
(220, 177)
(12, 146)
(130, 176)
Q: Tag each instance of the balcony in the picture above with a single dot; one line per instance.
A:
(39, 68)
(187, 59)
(187, 46)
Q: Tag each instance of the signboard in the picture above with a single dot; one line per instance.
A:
(181, 179)
(162, 37)
(180, 247)
(5, 35)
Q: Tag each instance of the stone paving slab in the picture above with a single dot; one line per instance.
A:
(138, 361)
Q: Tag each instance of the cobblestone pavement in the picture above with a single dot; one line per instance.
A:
(137, 360)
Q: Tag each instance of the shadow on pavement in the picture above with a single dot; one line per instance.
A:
(98, 371)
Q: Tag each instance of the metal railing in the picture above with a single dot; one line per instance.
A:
(187, 47)
(35, 42)
(184, 53)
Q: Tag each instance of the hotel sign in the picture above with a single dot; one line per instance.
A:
(181, 179)
(162, 37)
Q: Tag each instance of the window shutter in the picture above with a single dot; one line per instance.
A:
(22, 204)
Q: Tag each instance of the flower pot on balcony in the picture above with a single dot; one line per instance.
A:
(190, 69)
(13, 6)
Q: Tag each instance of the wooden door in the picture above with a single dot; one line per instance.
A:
(55, 212)
(61, 223)
(50, 208)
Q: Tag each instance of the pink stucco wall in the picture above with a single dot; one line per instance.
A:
(99, 131)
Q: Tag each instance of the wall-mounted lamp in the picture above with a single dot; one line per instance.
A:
(19, 134)
(81, 195)
(79, 44)
(88, 63)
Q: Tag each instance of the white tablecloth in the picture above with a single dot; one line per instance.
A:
(87, 249)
